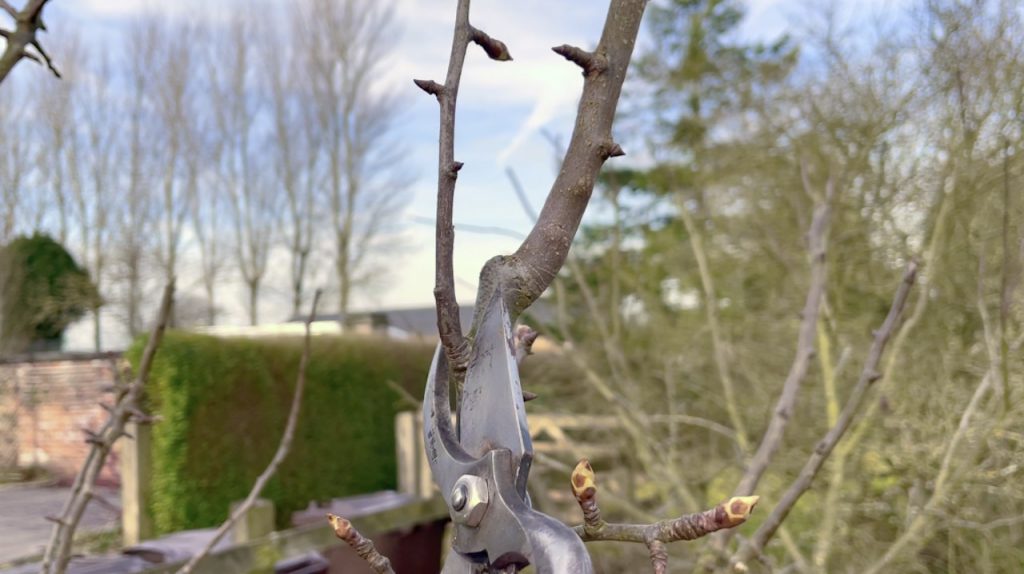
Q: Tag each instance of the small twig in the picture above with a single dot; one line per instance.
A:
(282, 449)
(46, 58)
(361, 544)
(868, 376)
(655, 536)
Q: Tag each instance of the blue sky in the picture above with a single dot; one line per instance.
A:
(502, 107)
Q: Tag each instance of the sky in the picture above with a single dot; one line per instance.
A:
(502, 109)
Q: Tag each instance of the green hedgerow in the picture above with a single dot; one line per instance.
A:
(223, 404)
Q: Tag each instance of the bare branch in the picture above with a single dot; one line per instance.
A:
(58, 551)
(728, 514)
(823, 449)
(27, 22)
(46, 58)
(772, 439)
(363, 546)
(282, 449)
(449, 324)
(528, 272)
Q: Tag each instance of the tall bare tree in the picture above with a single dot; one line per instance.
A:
(295, 149)
(135, 213)
(92, 167)
(176, 112)
(15, 157)
(344, 44)
(239, 145)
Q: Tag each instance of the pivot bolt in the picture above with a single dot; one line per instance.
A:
(459, 497)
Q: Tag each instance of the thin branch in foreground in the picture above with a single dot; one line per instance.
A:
(655, 536)
(363, 546)
(125, 409)
(282, 449)
(869, 374)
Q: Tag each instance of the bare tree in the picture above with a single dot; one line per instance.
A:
(14, 161)
(134, 213)
(206, 206)
(57, 104)
(238, 147)
(93, 171)
(344, 44)
(297, 137)
(176, 113)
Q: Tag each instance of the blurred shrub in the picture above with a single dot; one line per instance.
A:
(224, 403)
(42, 291)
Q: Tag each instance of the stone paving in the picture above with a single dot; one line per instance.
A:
(24, 530)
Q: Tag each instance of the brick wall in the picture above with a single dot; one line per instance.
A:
(45, 403)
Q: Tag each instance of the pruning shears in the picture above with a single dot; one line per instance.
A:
(482, 466)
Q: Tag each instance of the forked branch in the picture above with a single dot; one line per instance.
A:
(655, 536)
(524, 275)
(27, 23)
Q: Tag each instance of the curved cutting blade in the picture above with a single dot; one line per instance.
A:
(491, 411)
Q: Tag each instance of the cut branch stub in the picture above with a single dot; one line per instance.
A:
(591, 63)
(496, 49)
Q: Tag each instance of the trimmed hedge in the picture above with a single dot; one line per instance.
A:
(224, 403)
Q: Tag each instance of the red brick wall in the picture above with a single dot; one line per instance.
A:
(44, 407)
